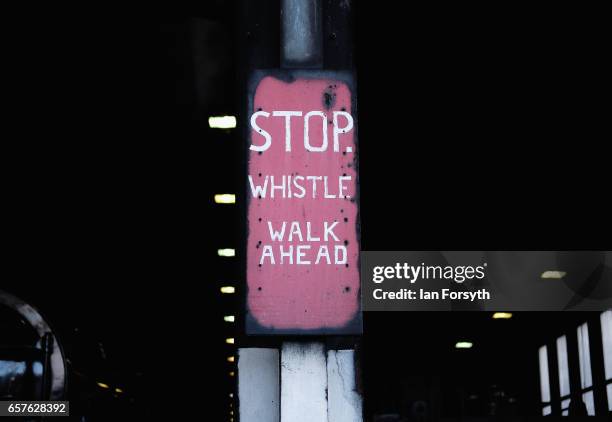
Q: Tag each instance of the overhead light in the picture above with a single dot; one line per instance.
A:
(228, 289)
(231, 395)
(118, 390)
(222, 122)
(553, 274)
(226, 252)
(502, 315)
(229, 340)
(231, 374)
(463, 345)
(229, 318)
(102, 385)
(225, 198)
(230, 358)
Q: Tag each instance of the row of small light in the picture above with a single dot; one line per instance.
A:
(465, 344)
(226, 123)
(550, 274)
(105, 386)
(546, 275)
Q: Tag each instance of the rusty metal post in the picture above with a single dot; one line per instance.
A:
(318, 376)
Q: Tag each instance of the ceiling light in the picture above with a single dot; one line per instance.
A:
(222, 122)
(226, 252)
(553, 274)
(463, 345)
(225, 198)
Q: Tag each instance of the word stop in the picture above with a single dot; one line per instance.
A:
(342, 122)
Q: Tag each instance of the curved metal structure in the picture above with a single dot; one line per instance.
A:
(53, 360)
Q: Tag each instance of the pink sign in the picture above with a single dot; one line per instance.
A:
(303, 244)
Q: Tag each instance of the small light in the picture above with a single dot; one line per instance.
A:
(231, 395)
(229, 318)
(102, 385)
(502, 315)
(231, 374)
(118, 390)
(229, 340)
(463, 345)
(225, 198)
(226, 252)
(222, 122)
(228, 289)
(232, 412)
(230, 359)
(553, 274)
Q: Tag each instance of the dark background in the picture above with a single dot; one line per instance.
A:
(479, 129)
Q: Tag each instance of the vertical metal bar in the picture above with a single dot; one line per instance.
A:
(338, 51)
(47, 349)
(301, 34)
(553, 365)
(574, 367)
(597, 364)
(258, 41)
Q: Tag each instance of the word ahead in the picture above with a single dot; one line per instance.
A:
(302, 245)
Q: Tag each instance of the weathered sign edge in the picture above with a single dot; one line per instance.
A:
(252, 326)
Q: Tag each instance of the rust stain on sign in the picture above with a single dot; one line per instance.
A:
(303, 241)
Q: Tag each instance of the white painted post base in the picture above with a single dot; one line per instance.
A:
(258, 385)
(343, 400)
(303, 383)
(313, 386)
